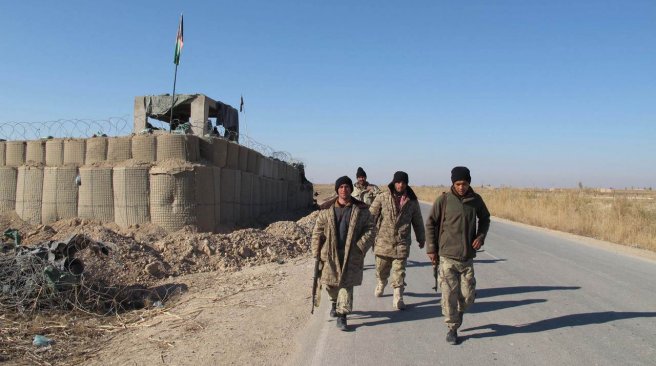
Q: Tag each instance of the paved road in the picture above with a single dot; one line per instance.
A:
(543, 299)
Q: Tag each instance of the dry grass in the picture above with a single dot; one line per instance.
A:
(619, 216)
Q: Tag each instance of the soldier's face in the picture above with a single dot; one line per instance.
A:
(344, 191)
(400, 186)
(361, 180)
(461, 187)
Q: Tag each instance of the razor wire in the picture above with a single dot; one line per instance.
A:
(64, 128)
(119, 126)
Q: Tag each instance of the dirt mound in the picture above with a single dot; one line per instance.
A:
(147, 259)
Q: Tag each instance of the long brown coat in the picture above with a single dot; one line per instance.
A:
(358, 241)
(393, 237)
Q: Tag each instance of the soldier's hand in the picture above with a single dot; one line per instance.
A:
(478, 243)
(421, 245)
(432, 257)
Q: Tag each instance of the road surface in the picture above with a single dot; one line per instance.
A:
(542, 299)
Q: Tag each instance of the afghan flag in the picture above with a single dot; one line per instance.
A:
(178, 43)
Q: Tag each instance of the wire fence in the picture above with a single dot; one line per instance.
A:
(121, 126)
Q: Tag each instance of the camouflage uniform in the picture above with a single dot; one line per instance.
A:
(393, 239)
(367, 193)
(339, 276)
(453, 244)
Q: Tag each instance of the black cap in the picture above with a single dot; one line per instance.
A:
(400, 177)
(343, 180)
(460, 173)
(360, 173)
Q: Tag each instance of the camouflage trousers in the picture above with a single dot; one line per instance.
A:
(458, 287)
(343, 296)
(395, 266)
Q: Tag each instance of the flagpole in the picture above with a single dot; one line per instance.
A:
(175, 78)
(176, 61)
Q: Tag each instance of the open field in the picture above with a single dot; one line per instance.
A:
(625, 217)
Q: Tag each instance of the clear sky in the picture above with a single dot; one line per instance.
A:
(525, 93)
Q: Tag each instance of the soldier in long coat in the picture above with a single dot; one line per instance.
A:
(395, 210)
(341, 236)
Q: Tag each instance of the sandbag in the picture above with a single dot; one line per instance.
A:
(175, 146)
(96, 150)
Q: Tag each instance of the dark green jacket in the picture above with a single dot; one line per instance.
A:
(460, 225)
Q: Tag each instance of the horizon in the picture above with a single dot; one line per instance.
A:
(544, 95)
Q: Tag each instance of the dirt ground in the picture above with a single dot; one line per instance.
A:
(230, 299)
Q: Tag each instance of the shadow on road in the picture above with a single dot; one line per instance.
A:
(572, 320)
(419, 311)
(498, 291)
(482, 307)
(485, 261)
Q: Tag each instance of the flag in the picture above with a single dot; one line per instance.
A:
(178, 43)
(241, 104)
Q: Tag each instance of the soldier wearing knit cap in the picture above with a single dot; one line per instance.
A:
(396, 211)
(342, 234)
(455, 230)
(363, 190)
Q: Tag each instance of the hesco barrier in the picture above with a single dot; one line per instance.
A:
(59, 199)
(15, 153)
(131, 195)
(29, 190)
(219, 152)
(119, 149)
(35, 152)
(232, 160)
(3, 153)
(74, 152)
(173, 197)
(96, 150)
(182, 147)
(96, 194)
(55, 152)
(171, 180)
(246, 198)
(8, 176)
(144, 148)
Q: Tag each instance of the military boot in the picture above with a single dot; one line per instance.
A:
(397, 301)
(452, 337)
(341, 322)
(380, 288)
(333, 310)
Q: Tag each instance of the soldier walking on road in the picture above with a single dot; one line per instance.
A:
(342, 235)
(394, 211)
(364, 191)
(453, 237)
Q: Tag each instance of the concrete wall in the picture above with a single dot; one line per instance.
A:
(168, 179)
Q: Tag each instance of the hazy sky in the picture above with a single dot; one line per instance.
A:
(525, 93)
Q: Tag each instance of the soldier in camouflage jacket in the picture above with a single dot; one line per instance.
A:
(395, 211)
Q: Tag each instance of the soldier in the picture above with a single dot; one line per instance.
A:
(453, 239)
(364, 191)
(394, 211)
(341, 236)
